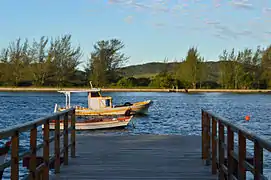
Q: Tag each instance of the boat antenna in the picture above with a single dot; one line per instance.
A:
(90, 84)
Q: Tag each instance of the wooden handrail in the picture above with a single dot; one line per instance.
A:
(41, 171)
(237, 164)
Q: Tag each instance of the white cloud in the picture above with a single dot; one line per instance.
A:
(242, 4)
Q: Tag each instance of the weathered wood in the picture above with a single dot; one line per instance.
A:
(38, 165)
(57, 146)
(258, 161)
(214, 146)
(46, 150)
(234, 160)
(33, 149)
(248, 156)
(241, 156)
(136, 157)
(15, 156)
(8, 132)
(73, 134)
(66, 140)
(208, 139)
(221, 151)
(203, 135)
(230, 148)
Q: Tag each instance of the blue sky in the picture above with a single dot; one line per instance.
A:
(151, 29)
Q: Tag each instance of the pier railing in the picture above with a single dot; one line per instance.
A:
(227, 158)
(50, 156)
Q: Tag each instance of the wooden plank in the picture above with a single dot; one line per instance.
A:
(241, 156)
(33, 148)
(234, 163)
(15, 156)
(249, 156)
(136, 157)
(214, 145)
(46, 150)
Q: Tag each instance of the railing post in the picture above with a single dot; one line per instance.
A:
(57, 145)
(203, 135)
(46, 149)
(214, 146)
(230, 143)
(205, 121)
(258, 160)
(221, 140)
(242, 156)
(33, 149)
(73, 134)
(208, 139)
(66, 138)
(15, 156)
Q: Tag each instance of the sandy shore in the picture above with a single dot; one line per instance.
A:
(22, 89)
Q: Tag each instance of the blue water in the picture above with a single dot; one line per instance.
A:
(170, 113)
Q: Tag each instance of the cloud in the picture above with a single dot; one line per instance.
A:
(244, 32)
(243, 4)
(212, 22)
(219, 36)
(139, 5)
(267, 10)
(129, 19)
(115, 1)
(158, 24)
(226, 31)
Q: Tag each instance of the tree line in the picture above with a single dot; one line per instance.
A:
(54, 62)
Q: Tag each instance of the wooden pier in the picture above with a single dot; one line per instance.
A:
(137, 157)
(213, 155)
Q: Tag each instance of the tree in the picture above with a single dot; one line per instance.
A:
(190, 69)
(162, 81)
(62, 59)
(105, 61)
(223, 76)
(18, 60)
(4, 66)
(266, 66)
(202, 71)
(40, 66)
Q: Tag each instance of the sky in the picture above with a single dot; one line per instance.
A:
(151, 30)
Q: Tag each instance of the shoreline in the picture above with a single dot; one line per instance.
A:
(34, 89)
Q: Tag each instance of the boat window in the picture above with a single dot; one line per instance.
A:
(95, 94)
(107, 102)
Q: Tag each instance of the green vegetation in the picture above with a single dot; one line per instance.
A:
(54, 63)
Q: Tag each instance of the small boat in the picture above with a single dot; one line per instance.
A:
(101, 105)
(95, 123)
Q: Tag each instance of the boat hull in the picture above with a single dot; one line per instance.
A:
(92, 125)
(136, 108)
(141, 107)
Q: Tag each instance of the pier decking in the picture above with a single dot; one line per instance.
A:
(136, 157)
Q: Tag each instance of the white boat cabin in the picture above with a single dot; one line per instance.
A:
(95, 99)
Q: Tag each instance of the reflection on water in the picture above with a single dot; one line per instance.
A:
(170, 113)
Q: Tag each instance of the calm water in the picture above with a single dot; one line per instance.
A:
(171, 113)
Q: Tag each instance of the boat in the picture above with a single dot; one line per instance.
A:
(95, 123)
(103, 105)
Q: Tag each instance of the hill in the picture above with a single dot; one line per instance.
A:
(148, 69)
(151, 69)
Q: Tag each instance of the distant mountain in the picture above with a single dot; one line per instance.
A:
(152, 69)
